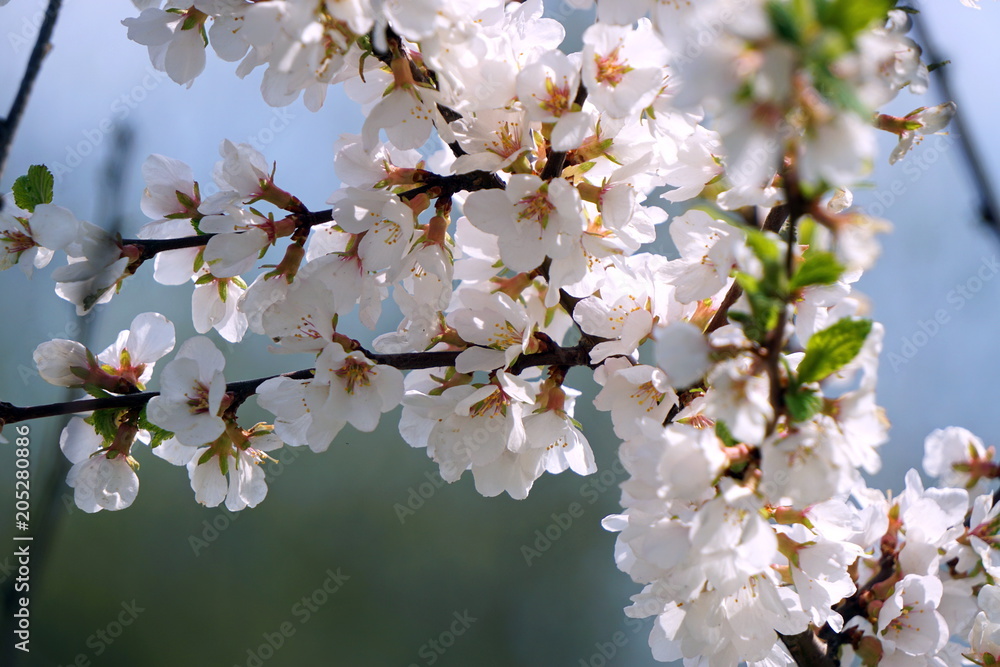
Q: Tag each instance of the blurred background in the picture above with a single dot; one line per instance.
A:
(361, 555)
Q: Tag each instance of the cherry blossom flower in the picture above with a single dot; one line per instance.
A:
(532, 219)
(498, 327)
(958, 458)
(122, 367)
(708, 254)
(30, 244)
(235, 477)
(623, 68)
(909, 621)
(469, 427)
(191, 391)
(631, 393)
(174, 40)
(347, 388)
(100, 478)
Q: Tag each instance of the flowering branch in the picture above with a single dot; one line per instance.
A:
(430, 183)
(772, 223)
(741, 455)
(578, 355)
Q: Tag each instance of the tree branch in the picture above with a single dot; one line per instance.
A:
(772, 223)
(8, 126)
(439, 186)
(578, 355)
(556, 161)
(807, 649)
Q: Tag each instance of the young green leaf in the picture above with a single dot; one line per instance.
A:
(33, 188)
(802, 403)
(157, 434)
(820, 268)
(852, 16)
(723, 433)
(105, 423)
(832, 348)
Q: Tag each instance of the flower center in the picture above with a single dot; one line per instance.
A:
(198, 398)
(16, 242)
(648, 395)
(354, 373)
(504, 335)
(610, 68)
(536, 207)
(510, 141)
(557, 102)
(491, 406)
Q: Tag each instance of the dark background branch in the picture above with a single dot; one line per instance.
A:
(8, 126)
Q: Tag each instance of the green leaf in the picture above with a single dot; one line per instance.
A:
(819, 268)
(765, 307)
(723, 433)
(837, 90)
(157, 434)
(786, 24)
(763, 246)
(802, 404)
(832, 348)
(105, 422)
(34, 188)
(852, 16)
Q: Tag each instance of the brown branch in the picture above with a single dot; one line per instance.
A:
(437, 185)
(556, 161)
(808, 649)
(772, 223)
(578, 355)
(148, 248)
(8, 126)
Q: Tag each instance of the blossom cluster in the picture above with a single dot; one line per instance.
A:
(505, 193)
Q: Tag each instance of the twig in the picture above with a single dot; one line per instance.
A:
(557, 160)
(8, 126)
(772, 223)
(808, 649)
(989, 207)
(440, 186)
(578, 355)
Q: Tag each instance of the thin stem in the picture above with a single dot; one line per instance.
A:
(807, 649)
(8, 126)
(772, 223)
(557, 160)
(440, 186)
(989, 207)
(578, 355)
